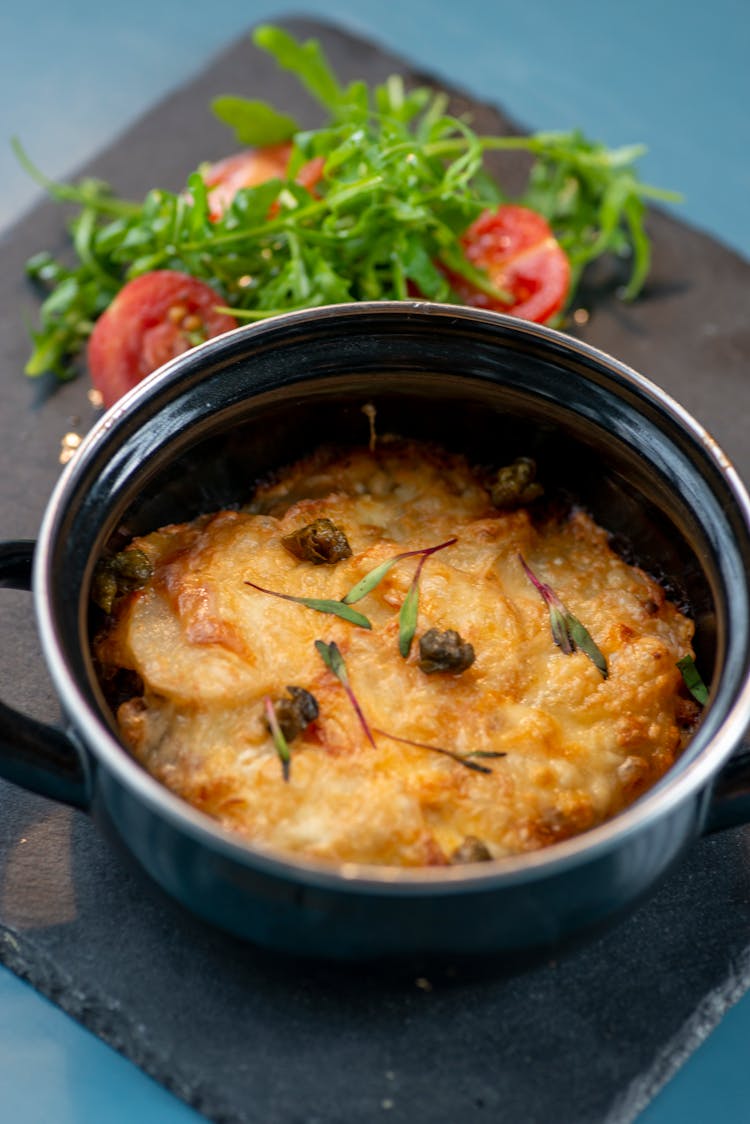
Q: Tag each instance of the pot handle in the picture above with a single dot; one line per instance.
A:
(37, 757)
(729, 803)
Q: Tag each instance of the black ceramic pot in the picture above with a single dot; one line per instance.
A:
(196, 436)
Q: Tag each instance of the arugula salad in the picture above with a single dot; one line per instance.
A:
(389, 200)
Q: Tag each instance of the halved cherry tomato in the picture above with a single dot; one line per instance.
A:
(152, 319)
(250, 168)
(244, 169)
(518, 251)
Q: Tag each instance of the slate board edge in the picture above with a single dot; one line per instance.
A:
(628, 1105)
(111, 1026)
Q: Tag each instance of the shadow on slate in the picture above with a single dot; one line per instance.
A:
(244, 1035)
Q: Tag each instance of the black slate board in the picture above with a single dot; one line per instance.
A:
(246, 1036)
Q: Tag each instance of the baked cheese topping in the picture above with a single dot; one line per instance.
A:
(560, 747)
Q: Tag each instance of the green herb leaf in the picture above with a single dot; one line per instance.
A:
(332, 658)
(407, 617)
(567, 631)
(254, 122)
(558, 619)
(305, 60)
(334, 661)
(370, 581)
(693, 681)
(279, 741)
(321, 605)
(581, 639)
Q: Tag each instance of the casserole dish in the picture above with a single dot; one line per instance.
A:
(197, 434)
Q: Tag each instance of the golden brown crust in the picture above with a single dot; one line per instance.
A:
(576, 747)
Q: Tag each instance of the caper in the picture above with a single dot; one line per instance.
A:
(295, 713)
(444, 651)
(122, 573)
(320, 542)
(472, 850)
(516, 485)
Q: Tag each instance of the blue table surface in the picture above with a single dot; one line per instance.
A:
(669, 73)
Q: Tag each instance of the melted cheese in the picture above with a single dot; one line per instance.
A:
(208, 648)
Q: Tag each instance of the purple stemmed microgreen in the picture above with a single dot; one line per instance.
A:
(342, 608)
(407, 617)
(464, 759)
(692, 679)
(321, 605)
(334, 661)
(279, 741)
(374, 577)
(567, 631)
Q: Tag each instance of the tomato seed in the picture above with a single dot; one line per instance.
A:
(177, 313)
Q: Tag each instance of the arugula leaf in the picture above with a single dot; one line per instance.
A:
(593, 201)
(305, 60)
(254, 122)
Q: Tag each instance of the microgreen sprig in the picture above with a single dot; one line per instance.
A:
(464, 759)
(320, 604)
(374, 577)
(408, 613)
(567, 631)
(407, 617)
(370, 581)
(692, 679)
(334, 661)
(279, 741)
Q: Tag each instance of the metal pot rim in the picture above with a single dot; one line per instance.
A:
(675, 788)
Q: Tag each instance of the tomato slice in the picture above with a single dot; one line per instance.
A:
(250, 168)
(152, 319)
(517, 249)
(243, 169)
